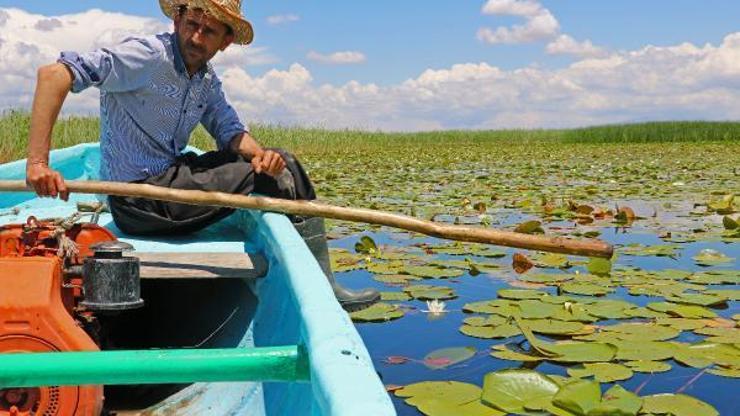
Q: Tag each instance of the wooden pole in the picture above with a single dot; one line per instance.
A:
(591, 248)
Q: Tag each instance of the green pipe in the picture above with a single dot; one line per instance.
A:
(288, 363)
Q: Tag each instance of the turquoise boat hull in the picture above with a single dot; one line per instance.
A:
(291, 305)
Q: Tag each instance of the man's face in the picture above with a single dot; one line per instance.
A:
(200, 37)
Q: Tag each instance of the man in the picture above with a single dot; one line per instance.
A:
(153, 93)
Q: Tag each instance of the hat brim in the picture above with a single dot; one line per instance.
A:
(243, 32)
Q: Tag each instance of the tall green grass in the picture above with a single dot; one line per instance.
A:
(69, 131)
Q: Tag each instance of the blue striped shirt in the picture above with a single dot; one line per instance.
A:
(149, 105)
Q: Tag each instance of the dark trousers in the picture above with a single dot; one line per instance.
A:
(221, 171)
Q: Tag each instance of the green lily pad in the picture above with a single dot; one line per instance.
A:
(490, 320)
(578, 396)
(503, 352)
(683, 311)
(643, 350)
(433, 272)
(642, 312)
(553, 327)
(710, 257)
(676, 405)
(445, 357)
(730, 294)
(438, 407)
(379, 312)
(588, 289)
(609, 309)
(682, 324)
(732, 372)
(490, 332)
(634, 331)
(602, 372)
(599, 266)
(550, 260)
(344, 261)
(716, 277)
(484, 306)
(645, 366)
(617, 402)
(520, 294)
(508, 390)
(394, 296)
(662, 250)
(366, 245)
(535, 309)
(546, 278)
(704, 354)
(729, 223)
(430, 292)
(395, 279)
(529, 227)
(450, 391)
(700, 299)
(385, 267)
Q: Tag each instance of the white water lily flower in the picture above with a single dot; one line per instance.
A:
(436, 307)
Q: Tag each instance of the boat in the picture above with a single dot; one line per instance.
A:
(237, 319)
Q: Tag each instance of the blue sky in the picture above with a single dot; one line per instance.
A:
(400, 40)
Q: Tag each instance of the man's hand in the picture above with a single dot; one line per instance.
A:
(45, 181)
(269, 162)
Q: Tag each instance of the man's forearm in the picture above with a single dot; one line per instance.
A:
(245, 145)
(53, 83)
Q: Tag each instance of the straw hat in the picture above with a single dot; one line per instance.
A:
(225, 11)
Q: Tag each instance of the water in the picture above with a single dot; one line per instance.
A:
(418, 333)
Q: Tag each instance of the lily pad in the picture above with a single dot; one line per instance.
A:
(617, 402)
(579, 288)
(450, 391)
(635, 331)
(546, 278)
(395, 279)
(508, 390)
(645, 366)
(520, 294)
(433, 272)
(676, 405)
(490, 320)
(445, 357)
(490, 332)
(578, 396)
(643, 350)
(602, 372)
(439, 407)
(710, 257)
(683, 311)
(379, 312)
(529, 227)
(394, 296)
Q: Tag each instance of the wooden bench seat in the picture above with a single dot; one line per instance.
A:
(179, 265)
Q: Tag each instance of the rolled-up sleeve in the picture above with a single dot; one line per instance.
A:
(220, 118)
(124, 67)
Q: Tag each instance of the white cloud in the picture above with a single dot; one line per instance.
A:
(566, 45)
(280, 19)
(337, 58)
(244, 56)
(683, 81)
(539, 22)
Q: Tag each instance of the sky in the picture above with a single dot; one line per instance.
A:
(425, 65)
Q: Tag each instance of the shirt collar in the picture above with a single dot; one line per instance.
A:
(180, 63)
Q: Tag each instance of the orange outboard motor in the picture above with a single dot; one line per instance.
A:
(40, 295)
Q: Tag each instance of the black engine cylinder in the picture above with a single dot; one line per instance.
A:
(110, 280)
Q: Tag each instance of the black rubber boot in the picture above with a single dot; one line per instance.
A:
(314, 234)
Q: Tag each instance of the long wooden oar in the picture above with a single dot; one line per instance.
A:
(591, 248)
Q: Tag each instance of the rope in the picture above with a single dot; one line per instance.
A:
(66, 247)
